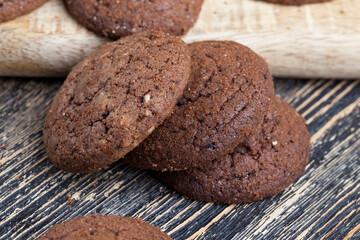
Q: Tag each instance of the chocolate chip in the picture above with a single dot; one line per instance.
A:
(105, 114)
(210, 146)
(181, 102)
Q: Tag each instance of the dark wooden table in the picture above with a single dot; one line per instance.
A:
(323, 203)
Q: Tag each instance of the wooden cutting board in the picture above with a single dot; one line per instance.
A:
(316, 40)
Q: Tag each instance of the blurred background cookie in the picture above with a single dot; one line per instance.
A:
(117, 18)
(296, 2)
(10, 9)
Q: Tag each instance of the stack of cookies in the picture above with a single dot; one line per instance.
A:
(203, 117)
(229, 140)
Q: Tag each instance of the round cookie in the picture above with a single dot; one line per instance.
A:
(117, 18)
(10, 9)
(225, 100)
(263, 166)
(296, 2)
(114, 99)
(100, 227)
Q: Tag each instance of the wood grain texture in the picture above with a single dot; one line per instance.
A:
(316, 40)
(324, 203)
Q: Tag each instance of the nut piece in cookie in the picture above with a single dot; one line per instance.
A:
(228, 93)
(262, 166)
(114, 99)
(100, 227)
(117, 18)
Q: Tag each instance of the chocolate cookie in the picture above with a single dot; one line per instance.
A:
(10, 9)
(117, 18)
(225, 100)
(296, 2)
(101, 227)
(263, 166)
(114, 99)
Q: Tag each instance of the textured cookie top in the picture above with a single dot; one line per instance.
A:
(227, 95)
(116, 18)
(10, 9)
(296, 2)
(99, 227)
(114, 99)
(263, 166)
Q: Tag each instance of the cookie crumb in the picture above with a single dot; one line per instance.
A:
(76, 196)
(91, 197)
(70, 201)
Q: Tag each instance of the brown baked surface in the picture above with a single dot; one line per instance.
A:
(100, 227)
(10, 9)
(296, 2)
(225, 100)
(263, 166)
(114, 99)
(117, 18)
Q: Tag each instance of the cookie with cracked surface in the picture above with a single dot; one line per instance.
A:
(296, 2)
(117, 18)
(10, 9)
(114, 99)
(262, 166)
(101, 227)
(228, 93)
